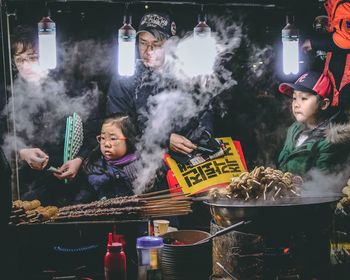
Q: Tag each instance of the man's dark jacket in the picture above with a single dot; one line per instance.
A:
(130, 95)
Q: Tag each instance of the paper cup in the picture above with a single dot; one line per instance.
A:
(160, 227)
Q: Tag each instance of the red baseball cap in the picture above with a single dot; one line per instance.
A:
(313, 82)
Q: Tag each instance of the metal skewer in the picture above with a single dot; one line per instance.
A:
(225, 270)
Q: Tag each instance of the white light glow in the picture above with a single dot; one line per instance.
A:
(126, 58)
(290, 41)
(126, 50)
(197, 56)
(47, 43)
(290, 57)
(47, 51)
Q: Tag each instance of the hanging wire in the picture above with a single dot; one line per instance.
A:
(47, 10)
(202, 16)
(127, 14)
(213, 3)
(194, 3)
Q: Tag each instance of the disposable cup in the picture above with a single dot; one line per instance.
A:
(160, 227)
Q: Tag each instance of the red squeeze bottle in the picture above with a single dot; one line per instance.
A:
(120, 239)
(110, 239)
(115, 262)
(114, 237)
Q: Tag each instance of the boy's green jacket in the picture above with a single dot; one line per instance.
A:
(324, 151)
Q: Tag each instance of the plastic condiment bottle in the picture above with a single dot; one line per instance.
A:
(149, 253)
(115, 262)
(114, 237)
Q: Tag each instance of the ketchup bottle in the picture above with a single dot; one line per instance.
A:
(115, 262)
(113, 237)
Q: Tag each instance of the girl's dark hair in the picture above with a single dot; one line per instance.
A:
(126, 125)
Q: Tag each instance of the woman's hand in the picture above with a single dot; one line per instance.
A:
(35, 158)
(181, 144)
(69, 170)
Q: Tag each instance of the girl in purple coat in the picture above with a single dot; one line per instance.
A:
(111, 167)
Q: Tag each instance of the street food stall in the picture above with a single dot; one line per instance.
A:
(226, 211)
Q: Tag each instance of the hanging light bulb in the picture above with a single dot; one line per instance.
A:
(202, 29)
(204, 48)
(47, 43)
(290, 42)
(197, 54)
(126, 48)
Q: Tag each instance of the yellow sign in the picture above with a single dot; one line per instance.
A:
(210, 173)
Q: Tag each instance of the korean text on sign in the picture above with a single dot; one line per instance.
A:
(217, 171)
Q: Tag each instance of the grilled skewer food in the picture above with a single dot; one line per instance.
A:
(31, 212)
(27, 205)
(127, 207)
(261, 183)
(155, 204)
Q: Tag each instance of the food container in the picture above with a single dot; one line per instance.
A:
(149, 253)
(292, 211)
(184, 260)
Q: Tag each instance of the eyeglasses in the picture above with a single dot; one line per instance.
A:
(26, 58)
(113, 140)
(153, 46)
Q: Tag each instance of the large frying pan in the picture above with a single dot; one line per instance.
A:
(298, 211)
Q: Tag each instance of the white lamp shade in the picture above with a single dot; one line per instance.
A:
(47, 43)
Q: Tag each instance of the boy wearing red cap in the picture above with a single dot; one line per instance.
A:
(314, 140)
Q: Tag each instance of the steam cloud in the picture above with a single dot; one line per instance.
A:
(320, 184)
(49, 102)
(193, 95)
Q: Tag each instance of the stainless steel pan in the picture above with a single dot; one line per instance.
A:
(297, 210)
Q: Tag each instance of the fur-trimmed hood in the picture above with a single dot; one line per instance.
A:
(339, 133)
